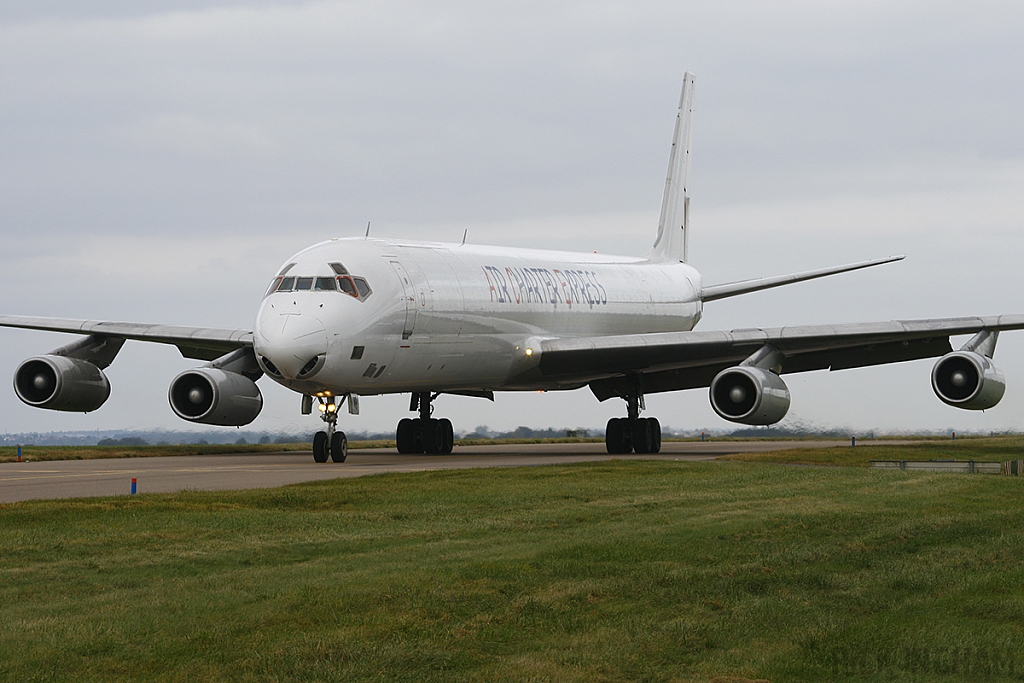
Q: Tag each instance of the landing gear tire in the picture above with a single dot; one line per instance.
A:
(642, 436)
(424, 434)
(438, 437)
(320, 447)
(647, 435)
(656, 429)
(431, 437)
(445, 426)
(339, 447)
(617, 436)
(407, 436)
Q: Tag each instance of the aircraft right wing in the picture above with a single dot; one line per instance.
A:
(201, 343)
(671, 361)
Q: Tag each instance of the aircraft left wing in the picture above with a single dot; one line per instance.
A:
(670, 361)
(201, 343)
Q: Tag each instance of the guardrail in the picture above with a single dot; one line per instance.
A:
(1013, 467)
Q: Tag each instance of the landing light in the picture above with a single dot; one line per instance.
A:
(322, 407)
(332, 407)
(529, 352)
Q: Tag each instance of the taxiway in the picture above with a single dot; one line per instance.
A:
(103, 477)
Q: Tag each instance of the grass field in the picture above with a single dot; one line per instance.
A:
(994, 449)
(621, 571)
(43, 453)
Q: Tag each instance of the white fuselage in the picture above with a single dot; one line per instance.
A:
(450, 317)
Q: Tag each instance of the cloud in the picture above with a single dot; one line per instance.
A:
(160, 160)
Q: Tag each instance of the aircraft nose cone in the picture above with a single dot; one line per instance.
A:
(292, 343)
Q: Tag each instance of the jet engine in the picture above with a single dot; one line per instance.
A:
(215, 397)
(749, 395)
(61, 383)
(968, 380)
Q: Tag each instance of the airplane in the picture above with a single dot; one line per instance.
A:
(364, 316)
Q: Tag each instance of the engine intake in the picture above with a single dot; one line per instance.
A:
(749, 395)
(215, 397)
(61, 383)
(968, 380)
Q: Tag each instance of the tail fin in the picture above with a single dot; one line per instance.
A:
(674, 228)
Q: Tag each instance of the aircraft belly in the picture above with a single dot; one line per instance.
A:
(439, 364)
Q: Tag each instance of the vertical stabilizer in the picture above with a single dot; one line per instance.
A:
(674, 228)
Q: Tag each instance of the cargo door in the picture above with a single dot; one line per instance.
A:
(408, 298)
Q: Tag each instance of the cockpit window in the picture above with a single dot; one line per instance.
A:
(338, 269)
(355, 287)
(347, 286)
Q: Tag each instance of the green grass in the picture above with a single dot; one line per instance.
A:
(992, 449)
(40, 453)
(621, 571)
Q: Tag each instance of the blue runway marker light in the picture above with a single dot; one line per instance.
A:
(853, 441)
(134, 482)
(19, 452)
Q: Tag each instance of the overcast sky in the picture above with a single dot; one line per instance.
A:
(160, 160)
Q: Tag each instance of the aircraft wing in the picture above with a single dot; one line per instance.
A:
(202, 343)
(671, 361)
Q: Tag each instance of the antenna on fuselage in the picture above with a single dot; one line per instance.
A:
(367, 228)
(466, 232)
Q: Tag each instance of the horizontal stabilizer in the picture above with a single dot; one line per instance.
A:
(746, 286)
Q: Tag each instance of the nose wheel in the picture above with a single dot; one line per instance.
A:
(633, 433)
(330, 443)
(424, 434)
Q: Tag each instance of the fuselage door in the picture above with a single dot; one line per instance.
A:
(408, 296)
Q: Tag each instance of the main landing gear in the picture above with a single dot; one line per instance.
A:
(330, 443)
(424, 434)
(633, 433)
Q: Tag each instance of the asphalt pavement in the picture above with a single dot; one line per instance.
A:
(110, 477)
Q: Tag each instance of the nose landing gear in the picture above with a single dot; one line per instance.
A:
(424, 434)
(633, 433)
(330, 443)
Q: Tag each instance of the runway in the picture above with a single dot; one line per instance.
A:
(85, 478)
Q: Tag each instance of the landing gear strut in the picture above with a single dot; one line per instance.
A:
(330, 443)
(424, 434)
(633, 433)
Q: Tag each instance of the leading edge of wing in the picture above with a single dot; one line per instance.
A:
(586, 358)
(189, 340)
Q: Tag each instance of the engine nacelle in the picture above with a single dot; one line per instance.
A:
(749, 395)
(61, 383)
(968, 380)
(215, 397)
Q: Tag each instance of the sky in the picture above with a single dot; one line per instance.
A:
(159, 161)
